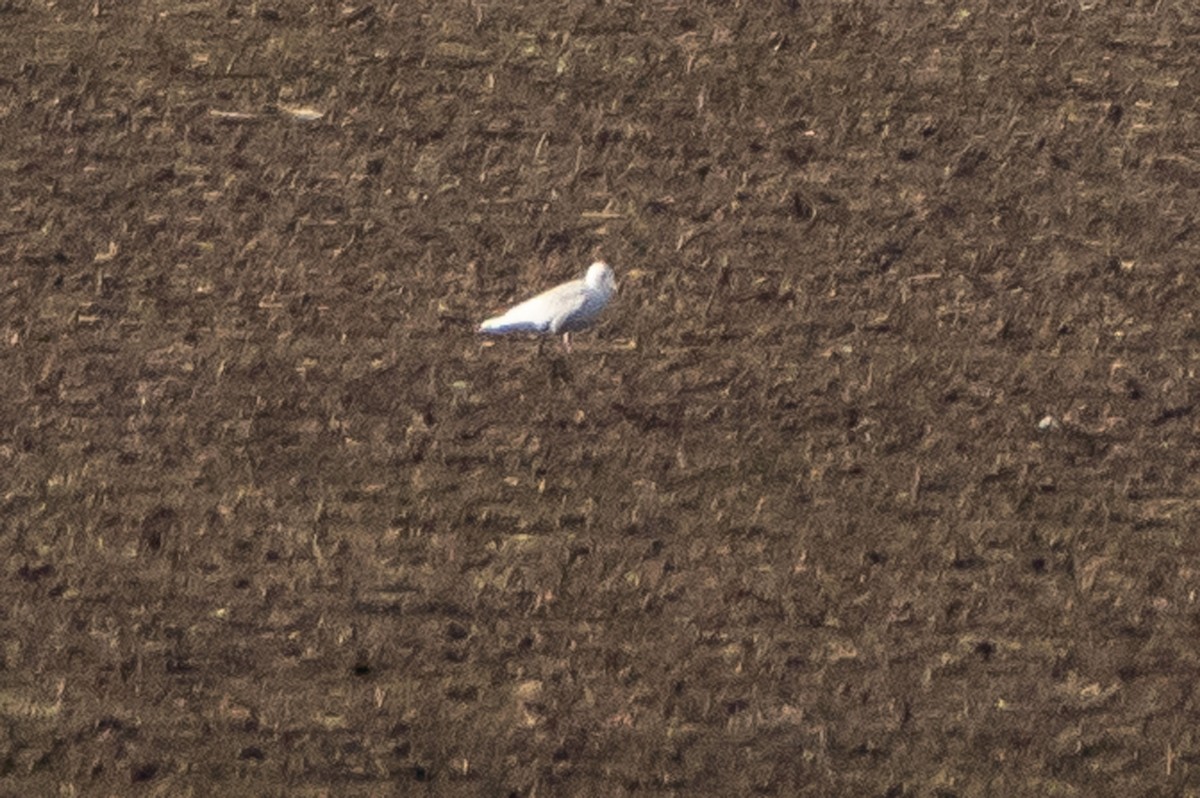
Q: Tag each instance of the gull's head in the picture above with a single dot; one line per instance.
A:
(600, 277)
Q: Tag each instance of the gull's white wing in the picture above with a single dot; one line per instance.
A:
(547, 312)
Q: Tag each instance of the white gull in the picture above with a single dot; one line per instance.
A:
(564, 309)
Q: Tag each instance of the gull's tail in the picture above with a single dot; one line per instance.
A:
(502, 324)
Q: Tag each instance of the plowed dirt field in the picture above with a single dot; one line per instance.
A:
(879, 476)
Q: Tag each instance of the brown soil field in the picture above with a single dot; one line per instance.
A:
(880, 476)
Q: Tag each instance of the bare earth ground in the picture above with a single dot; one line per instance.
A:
(879, 478)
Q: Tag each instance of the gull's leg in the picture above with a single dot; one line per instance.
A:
(567, 342)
